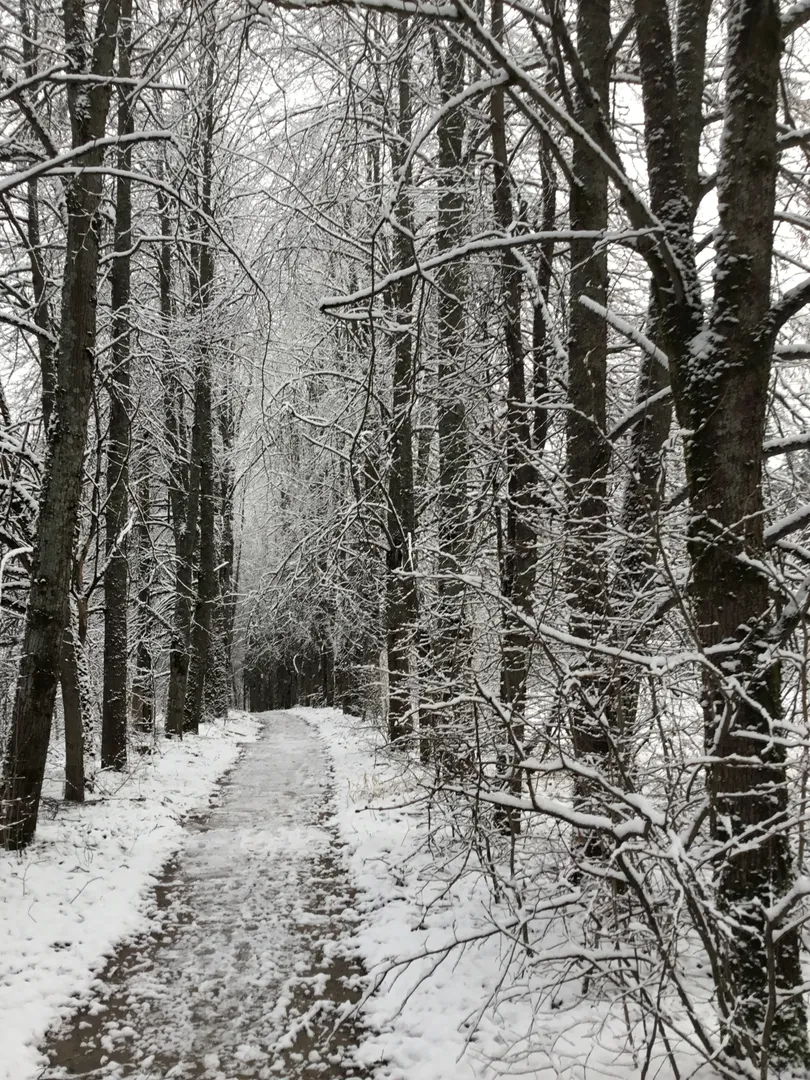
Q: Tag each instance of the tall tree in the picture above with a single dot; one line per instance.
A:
(519, 559)
(720, 375)
(202, 288)
(90, 59)
(451, 647)
(116, 576)
(143, 679)
(587, 449)
(401, 590)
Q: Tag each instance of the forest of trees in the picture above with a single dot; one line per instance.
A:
(446, 361)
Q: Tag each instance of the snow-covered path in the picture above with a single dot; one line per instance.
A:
(248, 953)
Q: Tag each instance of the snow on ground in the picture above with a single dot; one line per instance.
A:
(455, 1015)
(86, 882)
(422, 1018)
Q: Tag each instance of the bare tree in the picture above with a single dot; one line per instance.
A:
(59, 501)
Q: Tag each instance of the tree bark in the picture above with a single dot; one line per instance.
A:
(520, 538)
(143, 681)
(720, 377)
(221, 694)
(73, 707)
(185, 502)
(184, 492)
(200, 640)
(728, 395)
(451, 647)
(116, 575)
(206, 597)
(402, 604)
(587, 448)
(643, 491)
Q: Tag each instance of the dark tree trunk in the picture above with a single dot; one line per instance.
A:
(184, 493)
(637, 557)
(520, 539)
(221, 692)
(185, 517)
(643, 491)
(748, 782)
(39, 272)
(721, 394)
(61, 486)
(143, 681)
(541, 350)
(116, 577)
(200, 641)
(73, 707)
(587, 449)
(206, 598)
(402, 598)
(451, 647)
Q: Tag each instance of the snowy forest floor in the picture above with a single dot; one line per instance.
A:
(232, 945)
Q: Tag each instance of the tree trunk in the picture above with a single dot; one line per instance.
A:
(185, 515)
(451, 647)
(587, 449)
(116, 577)
(643, 491)
(61, 486)
(73, 707)
(721, 393)
(402, 598)
(200, 641)
(520, 539)
(143, 681)
(184, 491)
(39, 271)
(200, 658)
(225, 611)
(747, 781)
(637, 557)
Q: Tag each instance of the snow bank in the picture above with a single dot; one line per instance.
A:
(424, 1020)
(472, 1012)
(85, 884)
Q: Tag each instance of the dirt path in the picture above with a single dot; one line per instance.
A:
(246, 976)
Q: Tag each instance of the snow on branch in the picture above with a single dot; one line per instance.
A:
(485, 242)
(785, 445)
(795, 18)
(791, 304)
(638, 412)
(42, 168)
(787, 524)
(631, 332)
(394, 7)
(26, 324)
(540, 804)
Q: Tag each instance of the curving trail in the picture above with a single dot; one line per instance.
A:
(247, 973)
